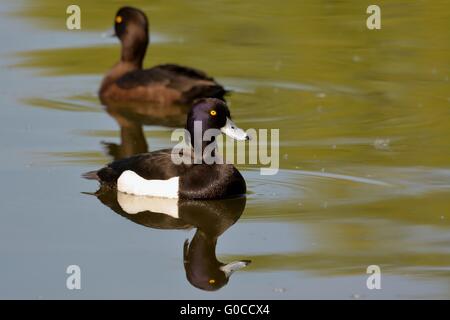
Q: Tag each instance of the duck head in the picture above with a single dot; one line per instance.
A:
(211, 116)
(131, 27)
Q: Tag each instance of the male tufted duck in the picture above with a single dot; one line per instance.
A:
(156, 174)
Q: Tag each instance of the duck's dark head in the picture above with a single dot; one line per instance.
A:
(131, 27)
(212, 113)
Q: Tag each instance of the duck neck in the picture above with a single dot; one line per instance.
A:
(133, 51)
(201, 257)
(205, 151)
(204, 145)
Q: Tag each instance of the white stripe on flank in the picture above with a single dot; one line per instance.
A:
(134, 204)
(132, 183)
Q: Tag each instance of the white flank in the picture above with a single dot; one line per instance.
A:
(130, 182)
(134, 204)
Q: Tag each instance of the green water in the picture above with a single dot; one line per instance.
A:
(364, 119)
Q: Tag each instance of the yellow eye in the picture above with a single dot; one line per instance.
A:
(213, 112)
(118, 19)
(212, 281)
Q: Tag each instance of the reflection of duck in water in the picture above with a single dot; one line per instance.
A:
(164, 84)
(211, 218)
(132, 138)
(203, 270)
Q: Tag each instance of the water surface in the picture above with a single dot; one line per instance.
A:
(364, 131)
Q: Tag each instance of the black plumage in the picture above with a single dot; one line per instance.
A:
(196, 181)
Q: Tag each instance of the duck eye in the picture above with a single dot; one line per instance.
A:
(119, 19)
(213, 112)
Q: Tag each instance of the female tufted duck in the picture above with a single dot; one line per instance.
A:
(163, 84)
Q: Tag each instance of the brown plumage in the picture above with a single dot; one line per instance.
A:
(164, 84)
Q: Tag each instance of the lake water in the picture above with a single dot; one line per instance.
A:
(364, 179)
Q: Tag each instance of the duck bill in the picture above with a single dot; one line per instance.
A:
(231, 130)
(231, 267)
